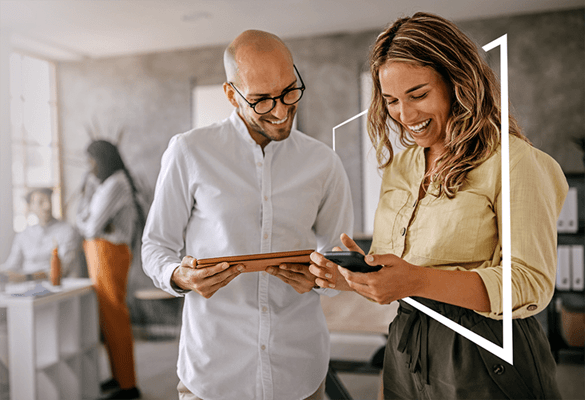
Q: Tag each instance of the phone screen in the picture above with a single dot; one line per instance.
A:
(351, 260)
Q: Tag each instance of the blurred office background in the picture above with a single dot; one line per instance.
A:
(142, 71)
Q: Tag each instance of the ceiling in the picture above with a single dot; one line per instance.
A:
(79, 29)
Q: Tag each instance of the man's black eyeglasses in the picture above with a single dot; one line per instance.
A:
(288, 97)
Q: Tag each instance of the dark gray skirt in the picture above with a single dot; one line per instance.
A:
(424, 359)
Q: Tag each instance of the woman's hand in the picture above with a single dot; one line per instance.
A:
(396, 280)
(326, 271)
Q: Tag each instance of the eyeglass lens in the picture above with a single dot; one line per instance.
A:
(289, 98)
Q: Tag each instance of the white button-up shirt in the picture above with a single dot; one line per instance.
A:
(32, 249)
(217, 194)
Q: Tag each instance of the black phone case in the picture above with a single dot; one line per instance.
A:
(351, 260)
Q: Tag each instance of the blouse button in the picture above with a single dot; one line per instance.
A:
(403, 231)
(259, 164)
(263, 347)
(532, 307)
(498, 369)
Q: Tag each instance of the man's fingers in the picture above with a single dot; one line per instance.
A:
(189, 262)
(210, 291)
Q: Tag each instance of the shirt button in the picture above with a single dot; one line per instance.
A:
(259, 164)
(403, 231)
(264, 309)
(265, 198)
(263, 347)
(266, 236)
(498, 369)
(532, 307)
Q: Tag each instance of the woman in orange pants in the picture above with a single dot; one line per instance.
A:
(110, 218)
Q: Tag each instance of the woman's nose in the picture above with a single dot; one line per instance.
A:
(407, 114)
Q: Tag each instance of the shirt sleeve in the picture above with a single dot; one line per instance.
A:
(102, 206)
(335, 214)
(162, 240)
(16, 256)
(537, 191)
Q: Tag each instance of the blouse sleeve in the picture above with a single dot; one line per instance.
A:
(537, 191)
(108, 199)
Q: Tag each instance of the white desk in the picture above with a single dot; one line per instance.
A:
(53, 341)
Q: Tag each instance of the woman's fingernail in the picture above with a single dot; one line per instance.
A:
(328, 275)
(332, 285)
(369, 258)
(330, 265)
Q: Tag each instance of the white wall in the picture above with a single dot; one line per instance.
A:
(6, 232)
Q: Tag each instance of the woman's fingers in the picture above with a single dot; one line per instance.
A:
(350, 244)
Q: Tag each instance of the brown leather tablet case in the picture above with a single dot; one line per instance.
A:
(259, 262)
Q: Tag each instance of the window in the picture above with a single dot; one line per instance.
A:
(35, 141)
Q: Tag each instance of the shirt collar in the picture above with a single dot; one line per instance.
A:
(242, 129)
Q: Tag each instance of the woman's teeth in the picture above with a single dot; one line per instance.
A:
(279, 122)
(419, 127)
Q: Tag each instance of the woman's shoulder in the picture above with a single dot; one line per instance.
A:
(118, 181)
(525, 155)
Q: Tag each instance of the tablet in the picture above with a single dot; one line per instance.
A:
(259, 262)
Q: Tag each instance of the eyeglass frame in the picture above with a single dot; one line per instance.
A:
(274, 99)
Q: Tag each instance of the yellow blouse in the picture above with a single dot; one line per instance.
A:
(462, 233)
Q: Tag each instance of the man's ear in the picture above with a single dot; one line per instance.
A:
(230, 94)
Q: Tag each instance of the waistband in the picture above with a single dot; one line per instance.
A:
(414, 337)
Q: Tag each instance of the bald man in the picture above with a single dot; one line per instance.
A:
(248, 184)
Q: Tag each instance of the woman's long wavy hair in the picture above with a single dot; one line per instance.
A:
(473, 127)
(108, 161)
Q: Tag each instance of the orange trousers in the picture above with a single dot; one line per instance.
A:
(108, 266)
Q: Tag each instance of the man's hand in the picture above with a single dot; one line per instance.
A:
(205, 281)
(296, 275)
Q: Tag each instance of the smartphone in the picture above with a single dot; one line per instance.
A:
(351, 260)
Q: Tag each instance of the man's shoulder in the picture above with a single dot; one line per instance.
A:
(307, 143)
(202, 136)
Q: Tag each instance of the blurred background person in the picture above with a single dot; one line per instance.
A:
(111, 219)
(30, 256)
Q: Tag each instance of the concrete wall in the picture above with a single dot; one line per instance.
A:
(149, 95)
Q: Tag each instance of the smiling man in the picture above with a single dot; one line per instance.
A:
(248, 184)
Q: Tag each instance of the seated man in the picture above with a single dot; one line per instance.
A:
(30, 256)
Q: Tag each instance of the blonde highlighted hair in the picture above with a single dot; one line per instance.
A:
(473, 127)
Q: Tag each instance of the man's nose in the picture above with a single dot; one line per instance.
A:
(280, 110)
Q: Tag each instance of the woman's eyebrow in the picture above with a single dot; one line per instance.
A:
(412, 89)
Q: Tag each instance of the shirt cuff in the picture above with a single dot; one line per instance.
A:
(172, 288)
